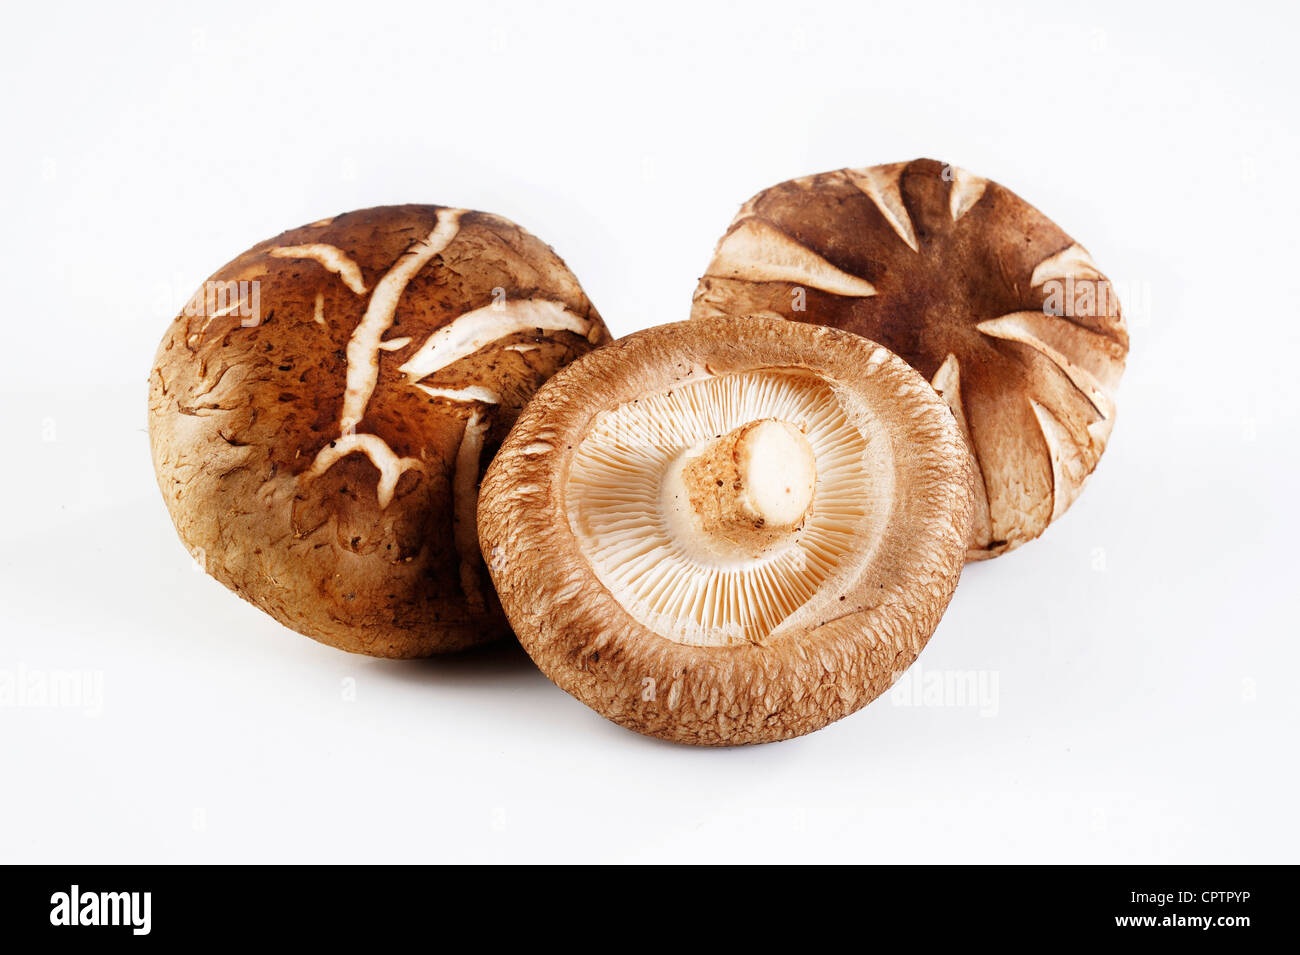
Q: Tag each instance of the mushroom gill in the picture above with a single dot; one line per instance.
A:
(698, 578)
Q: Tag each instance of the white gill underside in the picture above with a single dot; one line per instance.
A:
(615, 510)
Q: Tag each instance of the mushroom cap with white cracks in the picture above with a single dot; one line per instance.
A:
(1003, 313)
(320, 414)
(652, 537)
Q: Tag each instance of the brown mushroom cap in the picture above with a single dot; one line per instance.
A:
(652, 620)
(321, 412)
(1006, 316)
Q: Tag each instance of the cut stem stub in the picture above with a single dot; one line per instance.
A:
(746, 491)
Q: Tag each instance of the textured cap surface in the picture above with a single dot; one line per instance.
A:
(321, 411)
(1008, 318)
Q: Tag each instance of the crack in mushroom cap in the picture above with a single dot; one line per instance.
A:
(708, 648)
(1006, 315)
(322, 457)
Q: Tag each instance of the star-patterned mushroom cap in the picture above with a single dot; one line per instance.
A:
(1004, 314)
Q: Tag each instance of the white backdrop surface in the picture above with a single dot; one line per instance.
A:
(1135, 663)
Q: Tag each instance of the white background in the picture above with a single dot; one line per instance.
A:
(1145, 650)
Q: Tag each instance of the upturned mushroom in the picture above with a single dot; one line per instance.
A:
(1008, 317)
(322, 410)
(728, 531)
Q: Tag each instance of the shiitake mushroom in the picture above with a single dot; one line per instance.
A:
(321, 412)
(728, 531)
(1006, 315)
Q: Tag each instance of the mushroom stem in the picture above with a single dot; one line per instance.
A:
(752, 486)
